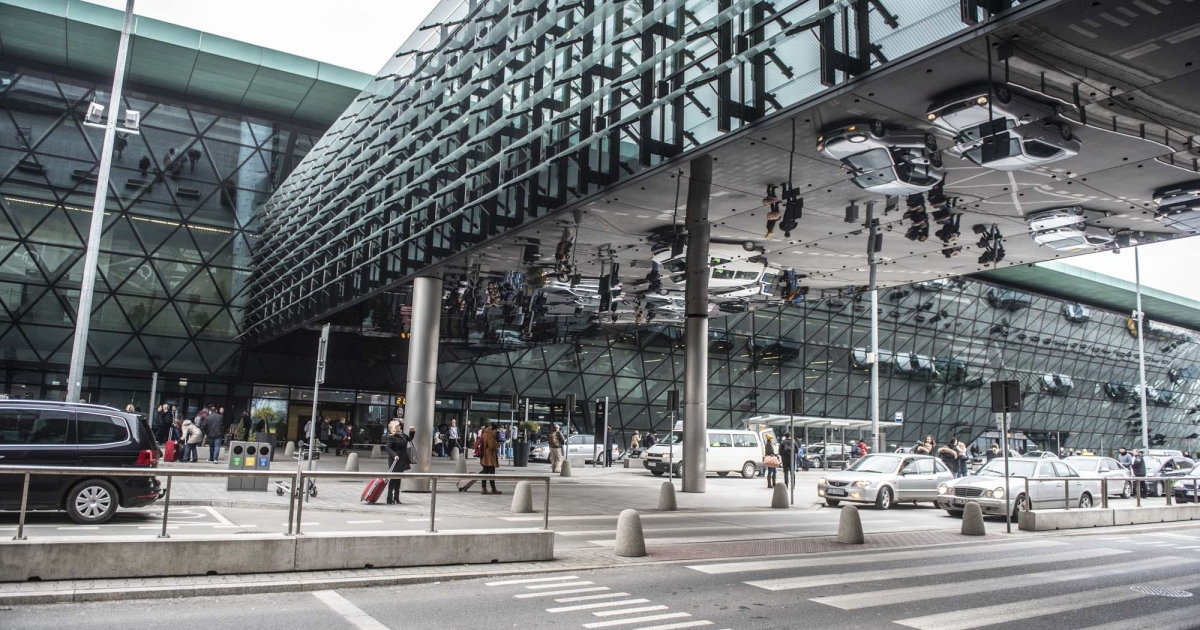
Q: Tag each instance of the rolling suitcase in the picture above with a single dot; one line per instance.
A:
(373, 491)
(169, 454)
(465, 484)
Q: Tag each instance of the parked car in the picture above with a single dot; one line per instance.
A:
(885, 479)
(826, 455)
(885, 161)
(50, 433)
(1187, 487)
(728, 451)
(1179, 204)
(1039, 455)
(1107, 467)
(989, 486)
(578, 445)
(1057, 384)
(1166, 466)
(1013, 133)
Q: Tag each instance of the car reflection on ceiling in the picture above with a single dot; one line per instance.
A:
(885, 161)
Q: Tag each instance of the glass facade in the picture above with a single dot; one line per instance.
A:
(494, 115)
(180, 225)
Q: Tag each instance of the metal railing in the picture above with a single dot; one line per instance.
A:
(296, 499)
(1137, 482)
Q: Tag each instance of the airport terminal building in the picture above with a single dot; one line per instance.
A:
(532, 160)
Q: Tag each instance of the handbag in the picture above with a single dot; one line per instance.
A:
(771, 461)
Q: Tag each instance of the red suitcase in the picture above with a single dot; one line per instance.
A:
(169, 454)
(373, 491)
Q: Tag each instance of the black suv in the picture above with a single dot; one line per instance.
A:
(49, 433)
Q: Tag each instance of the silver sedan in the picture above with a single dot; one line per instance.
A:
(1119, 483)
(884, 479)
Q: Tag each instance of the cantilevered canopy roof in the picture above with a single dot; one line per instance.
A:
(83, 36)
(811, 422)
(1087, 287)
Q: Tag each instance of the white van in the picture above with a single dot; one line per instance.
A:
(729, 450)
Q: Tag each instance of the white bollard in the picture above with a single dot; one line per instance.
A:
(972, 524)
(289, 449)
(564, 469)
(631, 542)
(352, 462)
(375, 452)
(454, 454)
(850, 530)
(460, 466)
(779, 498)
(666, 497)
(522, 502)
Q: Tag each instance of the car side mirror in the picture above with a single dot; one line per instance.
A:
(1103, 469)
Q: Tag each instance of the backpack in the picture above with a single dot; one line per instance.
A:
(501, 436)
(855, 452)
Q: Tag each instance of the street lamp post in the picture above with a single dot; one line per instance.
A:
(1139, 316)
(83, 315)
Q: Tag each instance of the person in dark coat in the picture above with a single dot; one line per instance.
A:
(396, 446)
(787, 459)
(214, 430)
(1139, 470)
(769, 451)
(489, 457)
(609, 438)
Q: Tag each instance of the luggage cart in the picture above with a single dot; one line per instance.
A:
(310, 486)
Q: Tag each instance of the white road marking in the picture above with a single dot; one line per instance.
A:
(1177, 619)
(871, 599)
(613, 517)
(364, 522)
(538, 587)
(217, 515)
(584, 598)
(828, 579)
(158, 527)
(966, 618)
(676, 626)
(560, 578)
(84, 527)
(1179, 536)
(232, 526)
(866, 558)
(626, 622)
(629, 611)
(349, 611)
(570, 591)
(623, 602)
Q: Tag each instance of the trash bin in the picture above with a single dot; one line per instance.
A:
(520, 453)
(266, 452)
(237, 457)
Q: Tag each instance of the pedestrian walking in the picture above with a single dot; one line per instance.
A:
(993, 452)
(609, 440)
(439, 447)
(555, 441)
(214, 430)
(488, 449)
(1138, 467)
(800, 452)
(398, 461)
(963, 460)
(948, 453)
(770, 460)
(636, 441)
(1125, 459)
(455, 437)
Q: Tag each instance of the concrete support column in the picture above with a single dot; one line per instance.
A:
(422, 373)
(695, 379)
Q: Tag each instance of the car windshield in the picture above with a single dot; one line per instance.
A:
(869, 160)
(677, 265)
(675, 438)
(815, 449)
(1016, 468)
(996, 149)
(876, 464)
(1086, 465)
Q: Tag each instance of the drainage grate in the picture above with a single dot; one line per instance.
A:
(1161, 592)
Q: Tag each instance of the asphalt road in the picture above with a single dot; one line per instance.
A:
(1059, 583)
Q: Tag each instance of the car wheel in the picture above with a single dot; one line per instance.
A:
(1085, 501)
(749, 246)
(1127, 490)
(1003, 94)
(657, 473)
(877, 129)
(749, 470)
(723, 473)
(931, 143)
(955, 513)
(883, 500)
(1065, 131)
(935, 159)
(832, 502)
(92, 502)
(1159, 489)
(1019, 505)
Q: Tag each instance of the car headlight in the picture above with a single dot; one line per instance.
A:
(822, 481)
(943, 489)
(982, 100)
(862, 484)
(998, 493)
(931, 116)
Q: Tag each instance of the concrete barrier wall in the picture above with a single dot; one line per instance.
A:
(129, 556)
(1043, 520)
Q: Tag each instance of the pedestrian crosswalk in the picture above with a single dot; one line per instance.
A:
(1082, 583)
(603, 608)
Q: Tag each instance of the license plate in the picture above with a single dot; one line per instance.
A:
(835, 492)
(958, 502)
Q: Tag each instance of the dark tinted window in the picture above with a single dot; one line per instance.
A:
(20, 426)
(1040, 149)
(97, 429)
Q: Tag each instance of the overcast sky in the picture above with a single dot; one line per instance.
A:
(363, 34)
